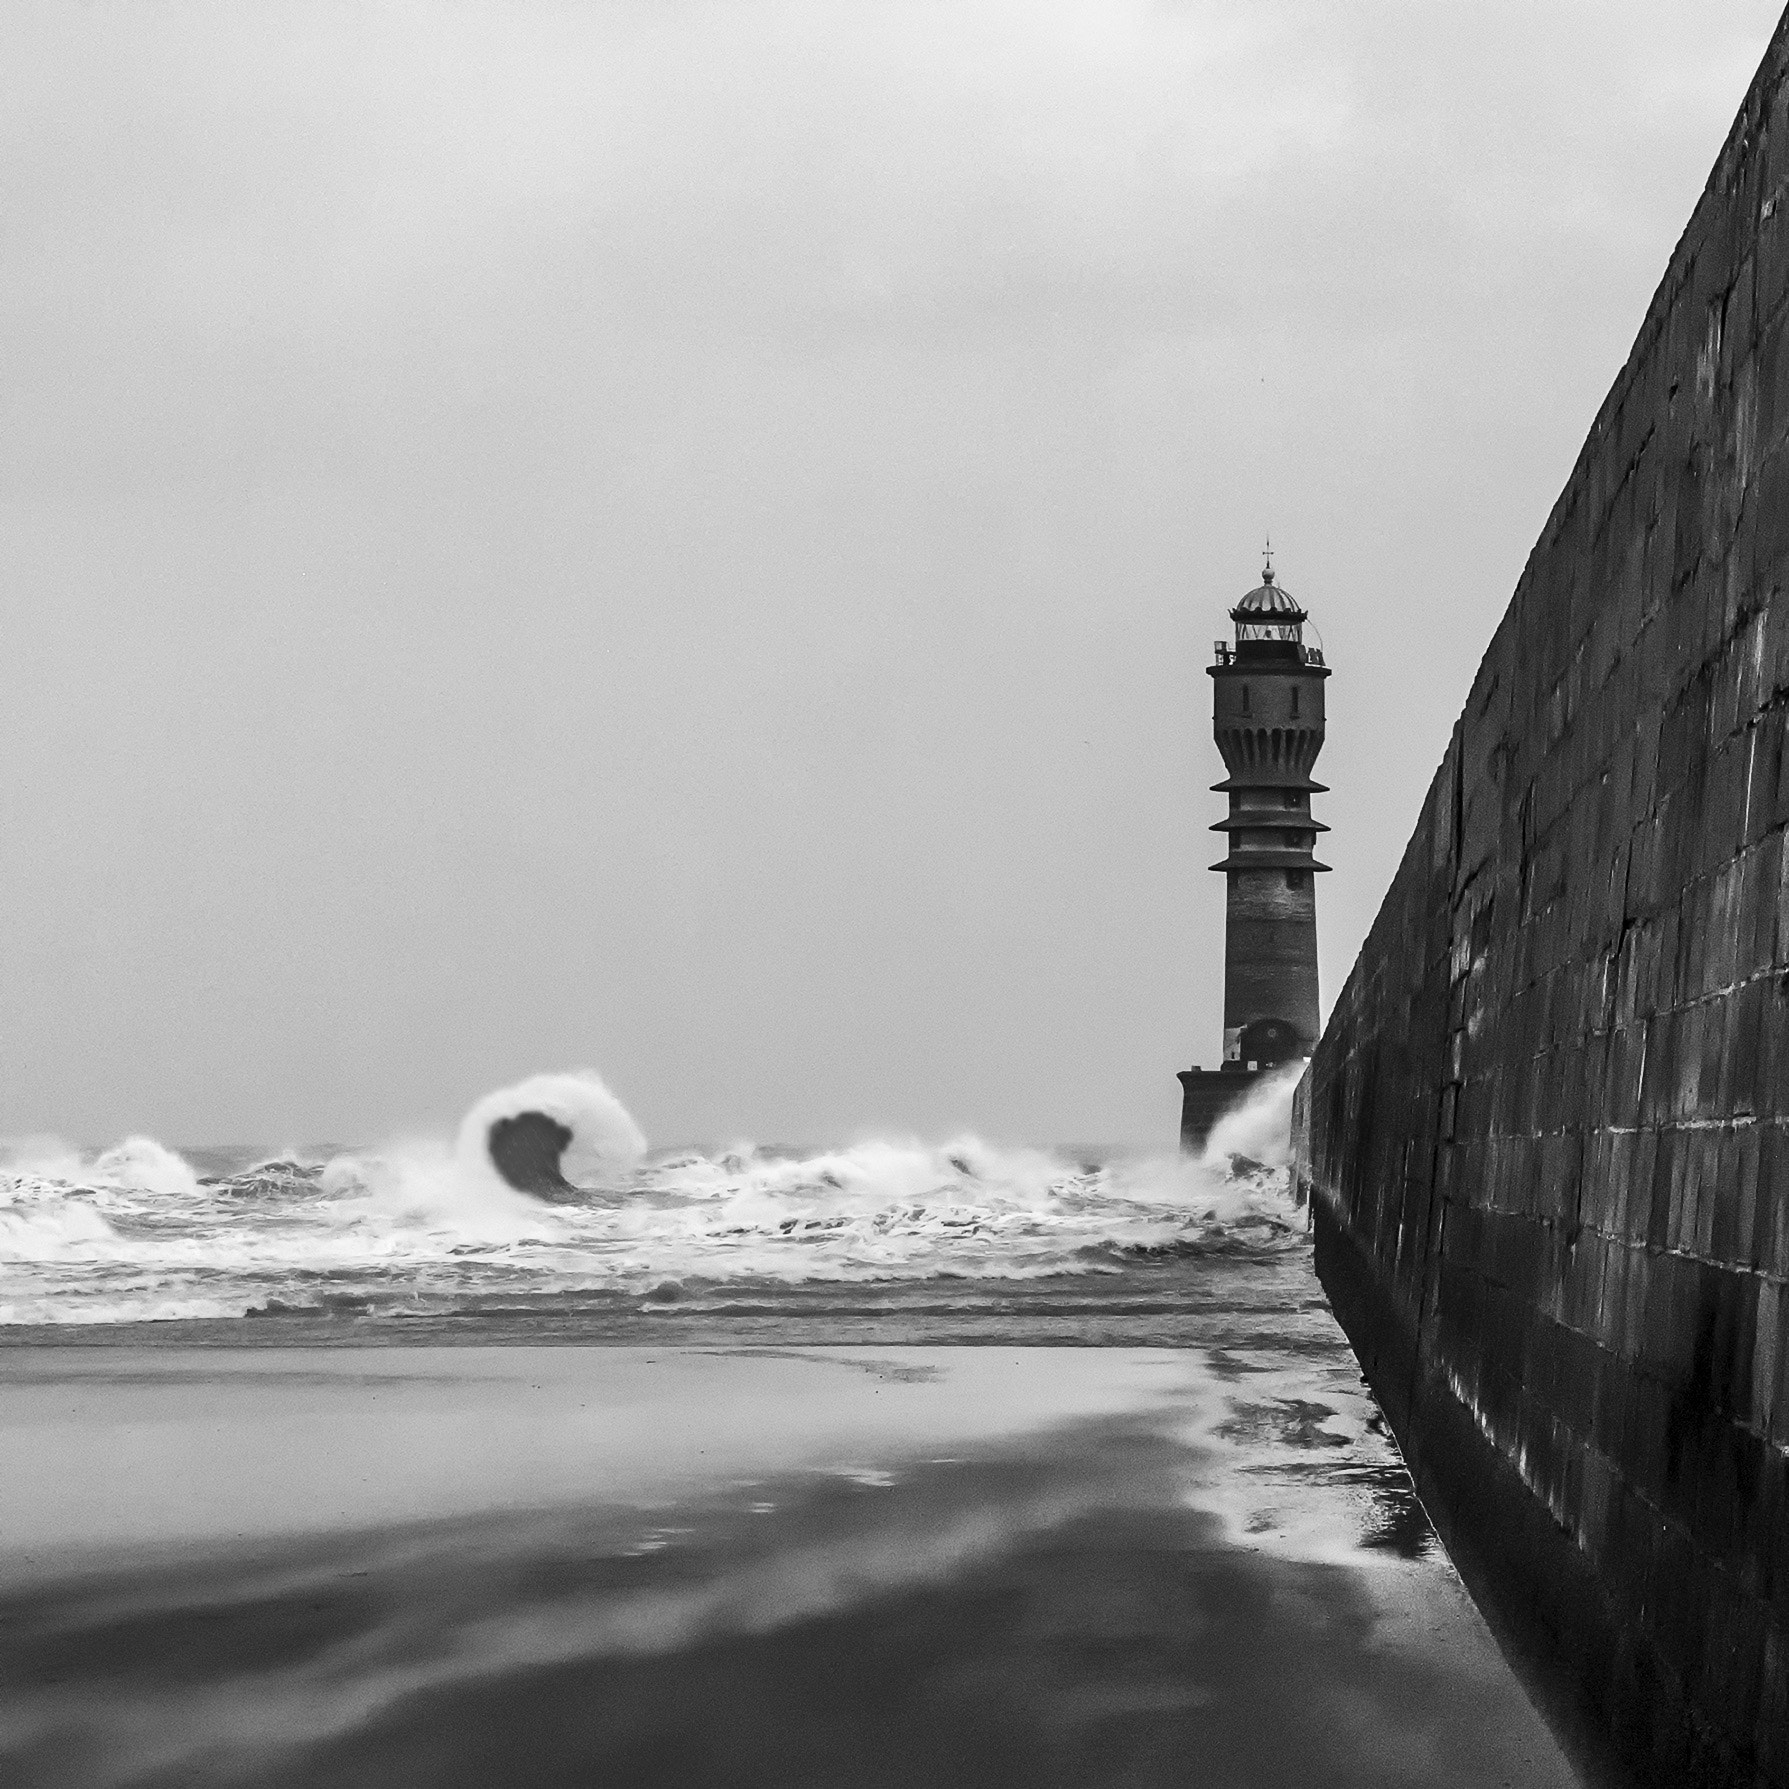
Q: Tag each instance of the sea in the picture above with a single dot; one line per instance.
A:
(893, 1463)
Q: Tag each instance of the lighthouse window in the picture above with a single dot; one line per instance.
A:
(1295, 703)
(1245, 698)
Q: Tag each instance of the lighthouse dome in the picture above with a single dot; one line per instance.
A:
(1268, 602)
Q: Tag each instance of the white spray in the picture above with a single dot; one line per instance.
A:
(421, 1224)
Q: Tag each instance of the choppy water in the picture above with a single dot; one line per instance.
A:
(429, 1231)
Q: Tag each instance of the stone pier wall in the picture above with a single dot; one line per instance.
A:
(1547, 1128)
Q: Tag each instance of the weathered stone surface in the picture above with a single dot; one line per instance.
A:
(1207, 1094)
(1548, 1124)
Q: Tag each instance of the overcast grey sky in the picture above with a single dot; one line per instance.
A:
(683, 537)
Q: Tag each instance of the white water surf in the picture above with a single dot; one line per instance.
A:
(135, 1232)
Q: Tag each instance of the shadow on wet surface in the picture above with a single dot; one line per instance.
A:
(1056, 1613)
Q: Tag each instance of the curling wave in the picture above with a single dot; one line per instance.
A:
(549, 1190)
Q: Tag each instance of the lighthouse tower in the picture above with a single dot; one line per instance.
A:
(1267, 716)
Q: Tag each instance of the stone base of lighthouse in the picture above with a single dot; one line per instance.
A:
(1207, 1094)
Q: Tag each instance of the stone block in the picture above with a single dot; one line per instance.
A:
(1777, 1422)
(1771, 1728)
(1767, 1335)
(1770, 1218)
(1708, 1154)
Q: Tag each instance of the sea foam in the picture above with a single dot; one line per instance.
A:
(423, 1225)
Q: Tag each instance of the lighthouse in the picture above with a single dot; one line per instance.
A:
(1267, 718)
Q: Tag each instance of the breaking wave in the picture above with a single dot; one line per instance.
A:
(549, 1189)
